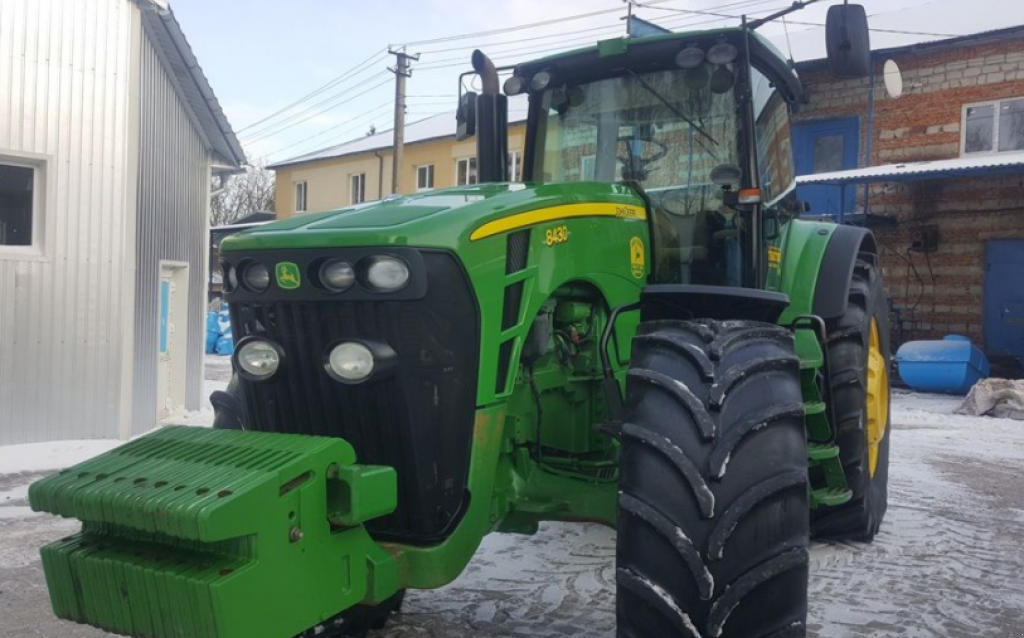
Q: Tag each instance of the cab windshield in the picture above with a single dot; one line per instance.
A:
(669, 131)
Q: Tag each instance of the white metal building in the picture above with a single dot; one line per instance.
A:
(109, 135)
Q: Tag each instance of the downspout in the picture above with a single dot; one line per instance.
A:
(868, 159)
(380, 174)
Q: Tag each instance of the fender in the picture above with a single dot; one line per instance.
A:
(812, 263)
(833, 286)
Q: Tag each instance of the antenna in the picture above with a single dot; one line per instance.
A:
(893, 79)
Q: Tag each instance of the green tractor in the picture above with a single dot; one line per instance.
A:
(641, 334)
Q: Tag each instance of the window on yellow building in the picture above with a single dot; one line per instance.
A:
(301, 191)
(515, 166)
(465, 171)
(358, 183)
(425, 177)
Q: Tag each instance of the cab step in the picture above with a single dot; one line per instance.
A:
(822, 451)
(830, 497)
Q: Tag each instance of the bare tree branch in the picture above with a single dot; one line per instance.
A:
(242, 194)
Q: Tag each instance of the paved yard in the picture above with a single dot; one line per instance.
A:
(947, 564)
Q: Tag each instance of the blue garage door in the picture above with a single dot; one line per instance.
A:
(822, 147)
(1004, 297)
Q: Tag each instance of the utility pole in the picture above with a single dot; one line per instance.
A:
(401, 71)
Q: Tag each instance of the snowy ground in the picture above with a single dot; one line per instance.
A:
(947, 564)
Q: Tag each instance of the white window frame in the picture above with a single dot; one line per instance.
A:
(471, 173)
(38, 163)
(588, 159)
(301, 196)
(995, 127)
(515, 166)
(357, 188)
(429, 171)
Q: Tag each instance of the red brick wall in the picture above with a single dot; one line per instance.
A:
(945, 294)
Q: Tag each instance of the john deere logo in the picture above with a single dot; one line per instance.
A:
(636, 257)
(288, 276)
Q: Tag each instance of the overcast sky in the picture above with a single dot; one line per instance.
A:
(262, 55)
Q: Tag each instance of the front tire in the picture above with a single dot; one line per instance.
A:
(713, 506)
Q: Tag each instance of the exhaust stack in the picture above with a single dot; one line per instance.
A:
(491, 123)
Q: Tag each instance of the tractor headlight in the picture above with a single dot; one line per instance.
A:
(385, 273)
(336, 275)
(515, 85)
(350, 362)
(722, 53)
(258, 359)
(690, 58)
(255, 277)
(541, 80)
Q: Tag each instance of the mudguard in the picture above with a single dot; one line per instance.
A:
(812, 263)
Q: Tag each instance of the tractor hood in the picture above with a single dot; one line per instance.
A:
(436, 219)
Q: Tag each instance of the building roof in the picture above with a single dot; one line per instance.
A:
(435, 127)
(1002, 163)
(190, 82)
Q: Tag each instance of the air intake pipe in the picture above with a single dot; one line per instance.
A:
(491, 123)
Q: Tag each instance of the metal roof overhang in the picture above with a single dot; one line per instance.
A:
(1000, 164)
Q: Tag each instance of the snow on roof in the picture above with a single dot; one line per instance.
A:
(959, 166)
(431, 128)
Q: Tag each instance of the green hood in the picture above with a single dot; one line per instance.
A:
(435, 219)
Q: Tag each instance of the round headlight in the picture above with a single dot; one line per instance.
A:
(386, 273)
(258, 359)
(722, 53)
(690, 58)
(350, 362)
(337, 275)
(255, 277)
(540, 81)
(515, 85)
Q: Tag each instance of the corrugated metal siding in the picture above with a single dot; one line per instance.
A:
(64, 80)
(173, 196)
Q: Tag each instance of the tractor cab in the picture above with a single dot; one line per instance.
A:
(698, 124)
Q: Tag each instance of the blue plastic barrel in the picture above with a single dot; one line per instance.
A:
(950, 366)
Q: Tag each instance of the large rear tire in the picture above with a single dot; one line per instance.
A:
(858, 349)
(713, 506)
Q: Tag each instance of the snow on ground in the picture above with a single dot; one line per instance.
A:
(947, 563)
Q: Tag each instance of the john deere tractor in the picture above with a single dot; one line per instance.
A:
(642, 334)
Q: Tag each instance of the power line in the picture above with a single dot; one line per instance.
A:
(520, 27)
(296, 119)
(374, 111)
(334, 82)
(803, 23)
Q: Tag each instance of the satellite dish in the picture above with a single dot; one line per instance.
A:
(893, 79)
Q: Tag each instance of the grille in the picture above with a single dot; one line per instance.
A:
(419, 419)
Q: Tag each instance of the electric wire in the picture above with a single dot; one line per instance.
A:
(355, 70)
(312, 112)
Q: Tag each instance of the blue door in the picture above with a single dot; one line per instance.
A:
(1004, 297)
(822, 147)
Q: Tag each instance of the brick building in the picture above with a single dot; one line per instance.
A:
(938, 173)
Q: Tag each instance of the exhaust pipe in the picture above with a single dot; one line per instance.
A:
(491, 123)
(488, 74)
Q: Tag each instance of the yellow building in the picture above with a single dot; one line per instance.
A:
(360, 170)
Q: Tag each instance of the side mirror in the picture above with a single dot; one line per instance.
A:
(848, 41)
(465, 116)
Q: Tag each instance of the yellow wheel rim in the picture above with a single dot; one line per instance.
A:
(878, 398)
